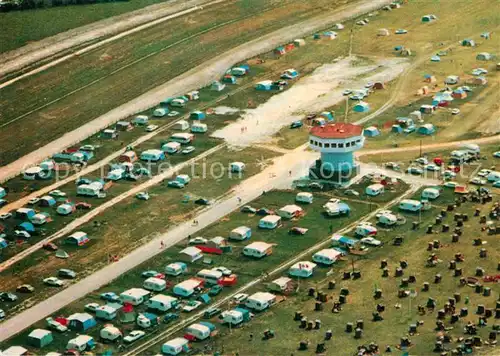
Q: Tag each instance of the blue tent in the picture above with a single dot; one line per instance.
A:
(427, 129)
(371, 131)
(396, 129)
(197, 115)
(327, 115)
(361, 107)
(27, 226)
(205, 298)
(398, 48)
(344, 209)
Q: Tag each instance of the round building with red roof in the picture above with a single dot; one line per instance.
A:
(337, 144)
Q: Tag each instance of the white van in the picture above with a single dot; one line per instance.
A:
(171, 147)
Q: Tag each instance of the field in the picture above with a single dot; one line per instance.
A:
(150, 58)
(319, 228)
(399, 313)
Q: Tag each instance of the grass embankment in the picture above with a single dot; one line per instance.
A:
(247, 269)
(360, 303)
(172, 48)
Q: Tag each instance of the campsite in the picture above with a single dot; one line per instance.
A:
(307, 178)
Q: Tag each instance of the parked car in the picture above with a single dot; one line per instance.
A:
(53, 281)
(3, 202)
(264, 212)
(455, 111)
(5, 216)
(248, 209)
(188, 150)
(25, 288)
(225, 271)
(393, 165)
(2, 314)
(315, 186)
(191, 305)
(477, 181)
(55, 325)
(87, 148)
(169, 317)
(414, 170)
(297, 231)
(33, 201)
(22, 234)
(50, 246)
(211, 312)
(151, 128)
(133, 336)
(57, 193)
(202, 201)
(8, 297)
(351, 192)
(150, 273)
(371, 241)
(91, 307)
(347, 92)
(66, 273)
(432, 167)
(198, 241)
(484, 172)
(240, 297)
(215, 290)
(401, 31)
(496, 184)
(451, 184)
(175, 184)
(422, 160)
(496, 154)
(449, 174)
(110, 297)
(296, 124)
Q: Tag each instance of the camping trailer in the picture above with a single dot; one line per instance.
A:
(240, 233)
(281, 285)
(162, 302)
(327, 256)
(410, 205)
(258, 249)
(201, 330)
(290, 211)
(135, 296)
(107, 312)
(181, 125)
(81, 343)
(237, 167)
(110, 333)
(374, 189)
(198, 127)
(430, 193)
(182, 138)
(260, 301)
(190, 254)
(175, 346)
(78, 238)
(140, 120)
(155, 284)
(270, 222)
(176, 269)
(187, 287)
(303, 269)
(171, 147)
(152, 155)
(210, 276)
(90, 190)
(304, 197)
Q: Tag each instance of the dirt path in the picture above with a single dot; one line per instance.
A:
(124, 25)
(195, 78)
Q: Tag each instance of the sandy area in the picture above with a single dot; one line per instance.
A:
(314, 93)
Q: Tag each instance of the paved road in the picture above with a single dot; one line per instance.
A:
(275, 176)
(194, 78)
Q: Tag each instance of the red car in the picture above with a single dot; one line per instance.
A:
(438, 161)
(83, 206)
(50, 246)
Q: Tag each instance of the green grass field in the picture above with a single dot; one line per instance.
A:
(360, 303)
(319, 228)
